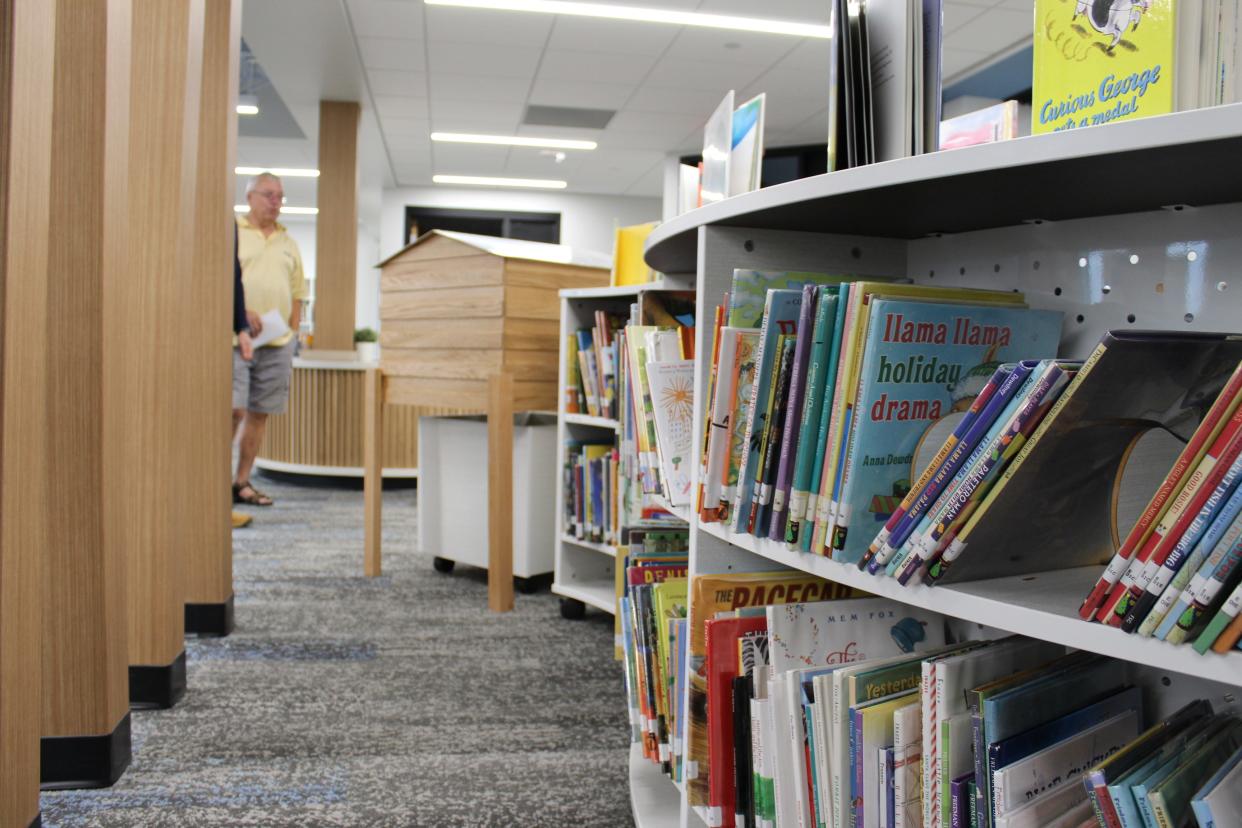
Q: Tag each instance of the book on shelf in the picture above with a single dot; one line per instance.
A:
(714, 176)
(1095, 63)
(746, 146)
(998, 122)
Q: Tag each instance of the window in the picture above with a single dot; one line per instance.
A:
(540, 227)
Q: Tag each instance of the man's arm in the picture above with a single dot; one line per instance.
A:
(295, 318)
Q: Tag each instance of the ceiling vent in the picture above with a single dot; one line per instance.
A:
(567, 116)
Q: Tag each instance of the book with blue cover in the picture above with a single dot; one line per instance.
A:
(922, 361)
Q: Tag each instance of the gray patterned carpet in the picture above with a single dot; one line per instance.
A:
(400, 701)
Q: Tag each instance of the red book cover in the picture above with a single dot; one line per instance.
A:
(1171, 485)
(1206, 476)
(722, 636)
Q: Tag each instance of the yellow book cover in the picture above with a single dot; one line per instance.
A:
(1098, 61)
(711, 595)
(628, 266)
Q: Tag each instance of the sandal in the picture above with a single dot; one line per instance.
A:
(255, 498)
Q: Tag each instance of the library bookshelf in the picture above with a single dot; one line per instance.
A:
(1131, 225)
(585, 571)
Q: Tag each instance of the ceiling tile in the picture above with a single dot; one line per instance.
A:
(594, 67)
(995, 30)
(531, 163)
(396, 82)
(802, 11)
(469, 116)
(386, 18)
(392, 53)
(780, 81)
(697, 43)
(405, 126)
(482, 59)
(502, 88)
(958, 13)
(702, 74)
(391, 106)
(618, 36)
(460, 159)
(649, 98)
(577, 94)
(477, 26)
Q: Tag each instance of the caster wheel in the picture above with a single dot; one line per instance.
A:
(443, 564)
(572, 609)
(526, 586)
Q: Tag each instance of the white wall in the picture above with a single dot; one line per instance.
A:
(587, 221)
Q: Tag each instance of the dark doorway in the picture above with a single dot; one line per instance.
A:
(540, 227)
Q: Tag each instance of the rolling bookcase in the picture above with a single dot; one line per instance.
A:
(1136, 224)
(584, 573)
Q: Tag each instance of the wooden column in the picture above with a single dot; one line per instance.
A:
(207, 537)
(373, 472)
(336, 228)
(500, 493)
(85, 697)
(26, 51)
(151, 368)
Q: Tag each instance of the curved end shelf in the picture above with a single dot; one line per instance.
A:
(654, 798)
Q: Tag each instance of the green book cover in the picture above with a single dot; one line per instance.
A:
(821, 345)
(750, 291)
(1170, 799)
(825, 416)
(1217, 625)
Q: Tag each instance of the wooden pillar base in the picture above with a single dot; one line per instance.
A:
(69, 762)
(157, 688)
(209, 620)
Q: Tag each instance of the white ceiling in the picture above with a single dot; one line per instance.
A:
(417, 69)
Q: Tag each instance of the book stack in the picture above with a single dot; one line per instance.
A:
(1176, 576)
(856, 712)
(592, 359)
(652, 612)
(591, 484)
(822, 394)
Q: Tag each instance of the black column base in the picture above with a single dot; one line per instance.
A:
(157, 688)
(209, 620)
(67, 762)
(38, 822)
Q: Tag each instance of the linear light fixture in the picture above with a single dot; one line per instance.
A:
(646, 15)
(247, 109)
(292, 211)
(283, 172)
(513, 141)
(487, 181)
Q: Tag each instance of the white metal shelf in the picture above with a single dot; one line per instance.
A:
(588, 420)
(613, 292)
(1185, 158)
(1042, 606)
(654, 799)
(680, 512)
(602, 548)
(599, 594)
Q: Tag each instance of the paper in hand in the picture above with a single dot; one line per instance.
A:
(274, 327)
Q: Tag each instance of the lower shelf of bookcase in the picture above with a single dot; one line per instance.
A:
(682, 512)
(602, 548)
(1042, 605)
(654, 798)
(599, 594)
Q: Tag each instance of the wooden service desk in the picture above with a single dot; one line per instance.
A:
(322, 431)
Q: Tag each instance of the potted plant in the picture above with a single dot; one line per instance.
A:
(366, 341)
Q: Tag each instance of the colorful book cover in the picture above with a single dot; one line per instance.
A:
(983, 126)
(765, 469)
(749, 291)
(807, 328)
(709, 596)
(806, 533)
(1170, 800)
(1222, 626)
(672, 397)
(780, 316)
(1219, 802)
(959, 805)
(1214, 552)
(746, 146)
(873, 729)
(1094, 63)
(720, 428)
(744, 385)
(922, 361)
(816, 383)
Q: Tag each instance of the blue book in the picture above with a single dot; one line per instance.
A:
(780, 316)
(884, 792)
(793, 412)
(1206, 552)
(921, 361)
(825, 418)
(1007, 751)
(1201, 805)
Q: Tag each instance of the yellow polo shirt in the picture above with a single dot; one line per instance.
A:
(271, 271)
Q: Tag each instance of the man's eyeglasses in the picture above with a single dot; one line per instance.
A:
(269, 195)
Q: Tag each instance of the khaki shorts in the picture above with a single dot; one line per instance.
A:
(262, 385)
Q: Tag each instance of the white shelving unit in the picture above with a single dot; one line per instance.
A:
(585, 572)
(1135, 224)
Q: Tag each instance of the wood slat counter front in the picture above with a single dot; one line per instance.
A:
(322, 431)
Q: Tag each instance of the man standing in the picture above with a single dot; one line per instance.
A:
(272, 275)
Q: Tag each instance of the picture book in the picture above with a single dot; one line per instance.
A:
(1094, 63)
(749, 291)
(809, 324)
(746, 146)
(743, 385)
(908, 765)
(1219, 802)
(721, 636)
(847, 631)
(709, 596)
(873, 729)
(1207, 587)
(806, 531)
(983, 126)
(769, 445)
(720, 430)
(1221, 632)
(672, 397)
(717, 146)
(921, 361)
(1048, 809)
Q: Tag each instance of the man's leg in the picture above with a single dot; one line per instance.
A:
(251, 439)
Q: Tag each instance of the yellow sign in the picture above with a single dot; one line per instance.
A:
(1098, 61)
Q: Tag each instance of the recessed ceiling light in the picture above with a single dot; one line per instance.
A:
(284, 208)
(283, 172)
(646, 15)
(487, 181)
(247, 105)
(513, 141)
